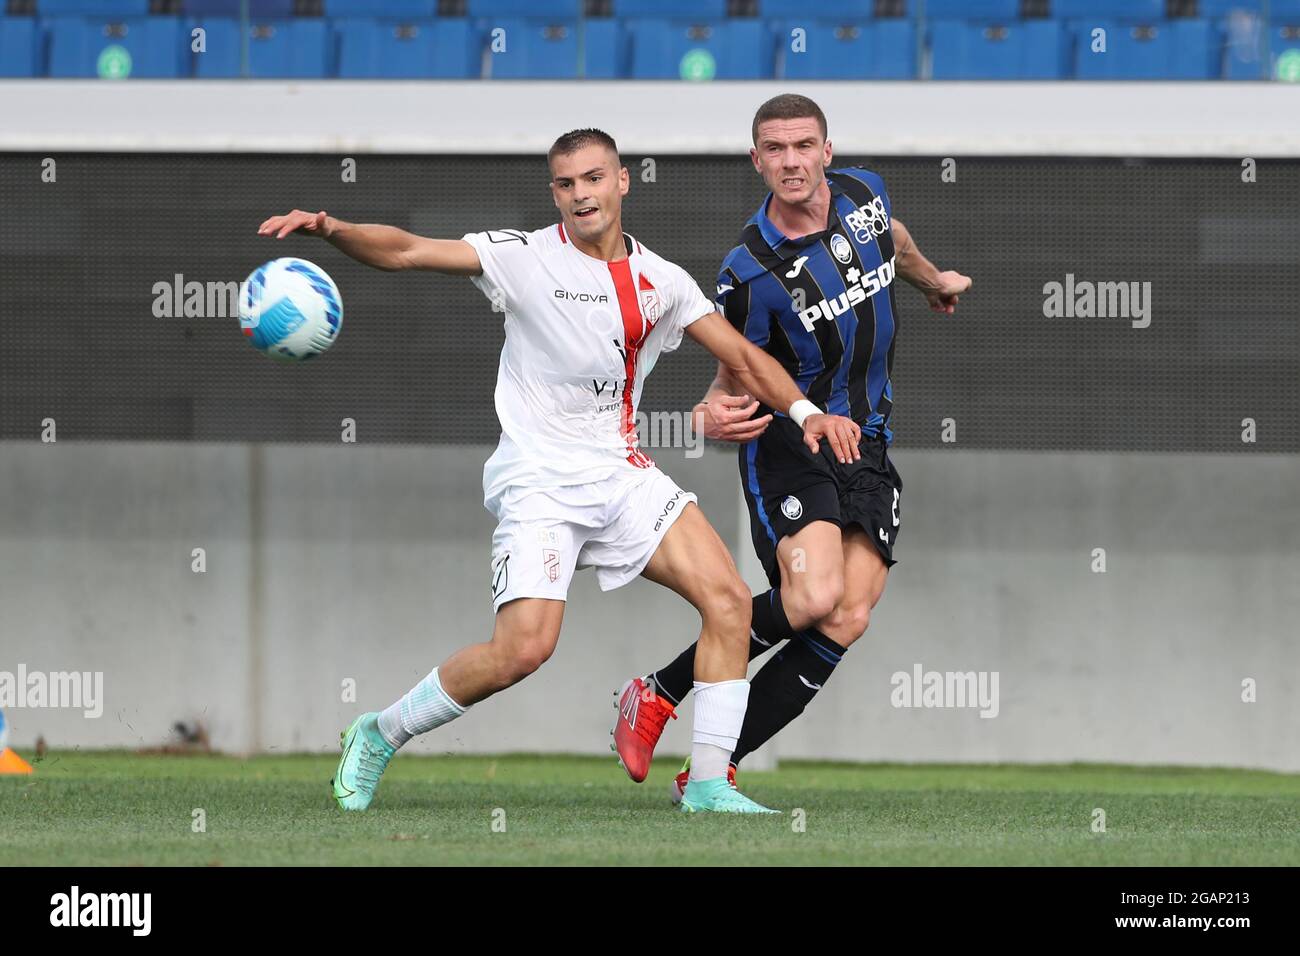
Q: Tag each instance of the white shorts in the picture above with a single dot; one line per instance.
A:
(614, 525)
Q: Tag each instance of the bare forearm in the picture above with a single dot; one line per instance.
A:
(763, 377)
(912, 265)
(721, 385)
(372, 244)
(393, 249)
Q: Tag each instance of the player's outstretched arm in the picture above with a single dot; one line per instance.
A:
(941, 289)
(763, 377)
(384, 247)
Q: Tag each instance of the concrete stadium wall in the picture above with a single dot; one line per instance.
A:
(326, 564)
(895, 118)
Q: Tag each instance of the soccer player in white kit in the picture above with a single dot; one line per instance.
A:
(588, 311)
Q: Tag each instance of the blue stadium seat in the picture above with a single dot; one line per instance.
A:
(1221, 8)
(533, 9)
(292, 49)
(396, 49)
(1018, 50)
(844, 10)
(20, 47)
(679, 9)
(1145, 10)
(866, 50)
(401, 9)
(158, 46)
(535, 49)
(1169, 50)
(605, 49)
(1245, 60)
(551, 50)
(972, 9)
(1278, 10)
(92, 8)
(739, 49)
(257, 9)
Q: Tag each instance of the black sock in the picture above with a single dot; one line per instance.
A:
(784, 687)
(769, 624)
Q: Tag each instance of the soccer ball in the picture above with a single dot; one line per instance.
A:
(290, 309)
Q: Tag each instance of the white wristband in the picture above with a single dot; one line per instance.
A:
(801, 409)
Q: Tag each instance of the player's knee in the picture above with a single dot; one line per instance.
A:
(847, 623)
(524, 657)
(819, 599)
(728, 602)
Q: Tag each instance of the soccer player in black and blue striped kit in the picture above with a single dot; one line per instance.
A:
(811, 282)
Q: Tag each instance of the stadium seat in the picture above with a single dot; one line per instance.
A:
(20, 47)
(1169, 50)
(1245, 59)
(843, 10)
(866, 50)
(401, 9)
(669, 9)
(1278, 10)
(158, 47)
(1018, 50)
(290, 49)
(735, 49)
(92, 8)
(257, 9)
(532, 9)
(1211, 9)
(1145, 10)
(407, 49)
(553, 50)
(972, 9)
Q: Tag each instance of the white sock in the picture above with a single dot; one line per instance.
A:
(719, 713)
(424, 707)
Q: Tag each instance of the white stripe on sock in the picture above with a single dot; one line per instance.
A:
(424, 707)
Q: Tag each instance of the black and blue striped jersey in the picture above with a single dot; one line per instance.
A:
(823, 304)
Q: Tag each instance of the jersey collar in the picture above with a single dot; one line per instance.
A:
(779, 242)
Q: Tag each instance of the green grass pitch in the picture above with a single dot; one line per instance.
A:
(110, 808)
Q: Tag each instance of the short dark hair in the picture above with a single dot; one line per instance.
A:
(788, 106)
(576, 139)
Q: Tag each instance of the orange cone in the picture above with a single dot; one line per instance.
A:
(10, 762)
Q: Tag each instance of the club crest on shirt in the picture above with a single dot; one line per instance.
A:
(651, 305)
(840, 248)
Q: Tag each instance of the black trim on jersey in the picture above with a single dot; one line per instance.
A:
(830, 343)
(852, 187)
(767, 257)
(736, 306)
(627, 244)
(886, 404)
(859, 404)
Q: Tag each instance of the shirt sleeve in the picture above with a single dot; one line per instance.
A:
(508, 258)
(688, 305)
(743, 308)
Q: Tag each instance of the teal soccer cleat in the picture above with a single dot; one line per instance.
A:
(365, 756)
(718, 796)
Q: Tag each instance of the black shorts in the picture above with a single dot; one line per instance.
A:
(787, 486)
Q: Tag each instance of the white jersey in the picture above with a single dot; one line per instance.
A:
(581, 336)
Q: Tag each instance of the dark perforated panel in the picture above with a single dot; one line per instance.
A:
(417, 357)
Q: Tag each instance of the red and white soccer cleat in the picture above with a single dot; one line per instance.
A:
(641, 717)
(678, 786)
